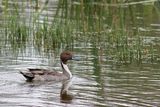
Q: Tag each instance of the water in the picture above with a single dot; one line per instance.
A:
(99, 81)
(93, 85)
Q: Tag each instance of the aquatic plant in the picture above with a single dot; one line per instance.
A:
(112, 26)
(16, 31)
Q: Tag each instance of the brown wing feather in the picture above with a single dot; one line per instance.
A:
(43, 72)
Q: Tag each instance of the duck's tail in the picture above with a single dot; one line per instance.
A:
(28, 75)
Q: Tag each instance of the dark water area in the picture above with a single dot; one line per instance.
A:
(99, 80)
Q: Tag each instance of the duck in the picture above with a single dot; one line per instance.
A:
(36, 74)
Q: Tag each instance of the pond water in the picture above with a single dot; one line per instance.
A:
(98, 81)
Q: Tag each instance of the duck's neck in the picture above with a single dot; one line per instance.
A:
(66, 70)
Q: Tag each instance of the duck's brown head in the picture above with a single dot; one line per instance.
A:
(65, 56)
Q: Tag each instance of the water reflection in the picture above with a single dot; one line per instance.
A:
(66, 97)
(109, 85)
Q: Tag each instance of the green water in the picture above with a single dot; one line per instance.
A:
(118, 43)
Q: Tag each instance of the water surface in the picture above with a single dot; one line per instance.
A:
(95, 83)
(99, 80)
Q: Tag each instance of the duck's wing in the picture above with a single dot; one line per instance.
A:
(44, 72)
(30, 73)
(36, 71)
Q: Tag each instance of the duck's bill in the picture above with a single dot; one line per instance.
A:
(76, 58)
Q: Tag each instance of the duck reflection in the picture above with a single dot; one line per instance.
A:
(65, 96)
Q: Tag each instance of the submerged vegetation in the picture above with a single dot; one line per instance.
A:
(121, 29)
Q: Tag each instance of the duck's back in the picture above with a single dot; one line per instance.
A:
(43, 75)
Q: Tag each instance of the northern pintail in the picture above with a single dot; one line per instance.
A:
(50, 75)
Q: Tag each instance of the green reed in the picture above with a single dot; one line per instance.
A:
(103, 23)
(16, 31)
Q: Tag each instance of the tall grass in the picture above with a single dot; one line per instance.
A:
(16, 31)
(111, 25)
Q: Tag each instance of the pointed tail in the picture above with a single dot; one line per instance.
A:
(28, 75)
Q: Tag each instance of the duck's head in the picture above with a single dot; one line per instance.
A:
(67, 55)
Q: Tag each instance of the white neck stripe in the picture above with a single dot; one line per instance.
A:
(66, 70)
